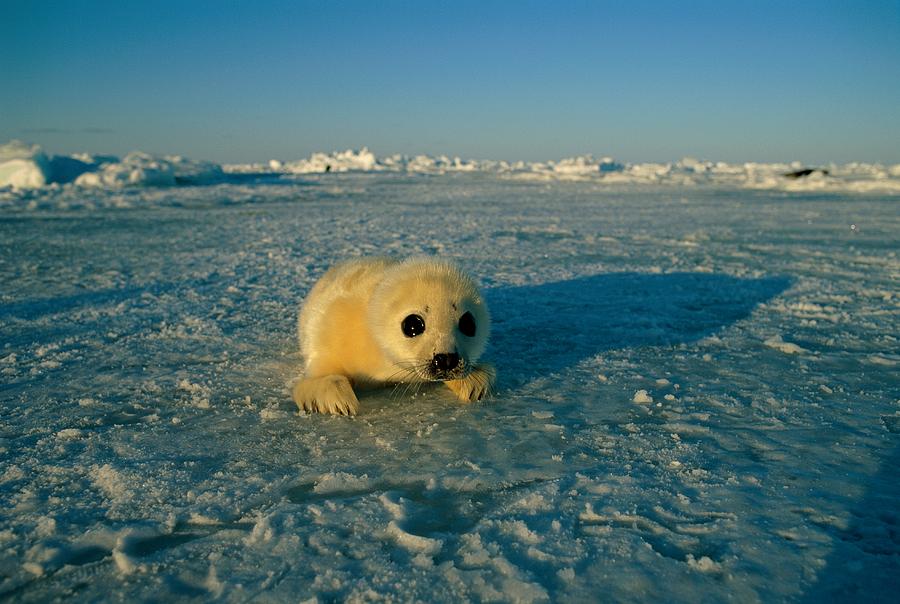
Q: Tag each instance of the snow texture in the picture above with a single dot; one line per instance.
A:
(697, 399)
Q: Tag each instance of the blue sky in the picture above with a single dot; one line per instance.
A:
(641, 81)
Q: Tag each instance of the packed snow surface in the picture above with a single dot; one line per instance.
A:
(697, 398)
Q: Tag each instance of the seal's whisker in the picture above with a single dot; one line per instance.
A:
(403, 384)
(395, 394)
(401, 373)
(407, 387)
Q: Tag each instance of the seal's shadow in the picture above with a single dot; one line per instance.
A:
(541, 329)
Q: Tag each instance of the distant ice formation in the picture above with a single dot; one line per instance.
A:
(344, 161)
(24, 166)
(141, 169)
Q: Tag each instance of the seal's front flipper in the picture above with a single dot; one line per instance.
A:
(327, 394)
(475, 386)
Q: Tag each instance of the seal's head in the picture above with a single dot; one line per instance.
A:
(429, 318)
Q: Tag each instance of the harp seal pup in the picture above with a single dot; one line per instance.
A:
(375, 321)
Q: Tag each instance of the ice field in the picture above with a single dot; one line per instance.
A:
(698, 397)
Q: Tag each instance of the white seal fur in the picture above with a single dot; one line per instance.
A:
(372, 321)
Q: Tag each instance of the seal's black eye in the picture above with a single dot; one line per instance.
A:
(467, 325)
(412, 326)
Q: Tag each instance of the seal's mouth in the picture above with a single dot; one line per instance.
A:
(444, 367)
(444, 376)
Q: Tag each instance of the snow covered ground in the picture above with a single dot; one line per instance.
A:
(699, 394)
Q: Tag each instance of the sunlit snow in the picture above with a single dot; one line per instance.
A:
(698, 393)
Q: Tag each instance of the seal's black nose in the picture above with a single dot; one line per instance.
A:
(445, 362)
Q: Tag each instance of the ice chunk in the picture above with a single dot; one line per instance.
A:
(424, 164)
(343, 161)
(642, 397)
(413, 543)
(68, 433)
(23, 166)
(143, 169)
(786, 347)
(703, 564)
(336, 482)
(576, 166)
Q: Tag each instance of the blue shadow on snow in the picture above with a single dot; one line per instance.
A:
(864, 564)
(541, 329)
